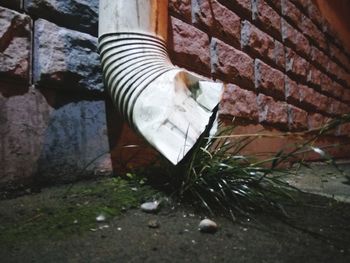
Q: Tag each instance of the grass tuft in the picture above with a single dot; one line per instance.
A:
(219, 178)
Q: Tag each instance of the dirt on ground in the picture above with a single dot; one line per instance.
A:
(59, 225)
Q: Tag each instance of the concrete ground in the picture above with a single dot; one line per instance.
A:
(325, 180)
(59, 225)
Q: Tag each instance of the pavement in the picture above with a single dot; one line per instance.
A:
(59, 225)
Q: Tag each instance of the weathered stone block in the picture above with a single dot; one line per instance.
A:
(231, 64)
(189, 46)
(80, 15)
(15, 45)
(269, 80)
(239, 103)
(48, 136)
(218, 19)
(65, 59)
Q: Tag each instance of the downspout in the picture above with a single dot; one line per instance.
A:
(169, 106)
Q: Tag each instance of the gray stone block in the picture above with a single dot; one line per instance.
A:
(81, 15)
(65, 59)
(51, 137)
(15, 45)
(15, 4)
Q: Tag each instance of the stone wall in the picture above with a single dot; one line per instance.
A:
(282, 64)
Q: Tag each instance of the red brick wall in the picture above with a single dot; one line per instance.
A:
(281, 61)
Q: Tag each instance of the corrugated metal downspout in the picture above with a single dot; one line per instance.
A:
(169, 106)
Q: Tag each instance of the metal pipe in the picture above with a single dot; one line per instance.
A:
(169, 106)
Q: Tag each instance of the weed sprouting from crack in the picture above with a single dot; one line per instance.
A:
(219, 178)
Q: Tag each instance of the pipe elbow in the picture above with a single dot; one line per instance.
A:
(169, 106)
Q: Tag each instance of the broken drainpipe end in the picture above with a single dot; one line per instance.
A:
(169, 106)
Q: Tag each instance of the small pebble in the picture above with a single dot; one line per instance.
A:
(207, 226)
(101, 218)
(153, 223)
(150, 207)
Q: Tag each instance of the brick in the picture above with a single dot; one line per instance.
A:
(181, 8)
(341, 75)
(276, 4)
(256, 41)
(202, 14)
(65, 59)
(343, 130)
(340, 56)
(337, 90)
(338, 72)
(294, 38)
(189, 46)
(314, 76)
(313, 13)
(279, 55)
(297, 118)
(269, 80)
(338, 108)
(312, 32)
(231, 64)
(218, 19)
(15, 45)
(73, 14)
(295, 64)
(272, 112)
(291, 12)
(346, 95)
(267, 17)
(312, 99)
(291, 91)
(242, 7)
(300, 3)
(316, 121)
(331, 87)
(319, 58)
(13, 4)
(329, 30)
(239, 103)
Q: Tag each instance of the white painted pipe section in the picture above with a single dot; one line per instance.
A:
(169, 106)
